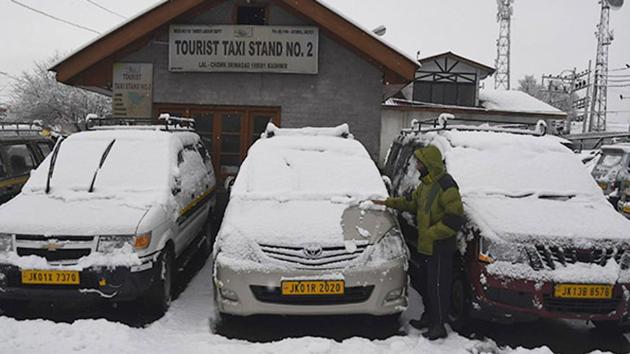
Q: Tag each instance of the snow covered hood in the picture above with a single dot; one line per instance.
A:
(302, 181)
(520, 187)
(45, 215)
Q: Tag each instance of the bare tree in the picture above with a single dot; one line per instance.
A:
(37, 95)
(559, 99)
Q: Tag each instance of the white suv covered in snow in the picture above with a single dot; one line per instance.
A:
(297, 239)
(106, 215)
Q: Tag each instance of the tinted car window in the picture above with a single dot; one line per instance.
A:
(45, 148)
(20, 158)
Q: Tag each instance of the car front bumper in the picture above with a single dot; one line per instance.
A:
(505, 299)
(119, 283)
(366, 291)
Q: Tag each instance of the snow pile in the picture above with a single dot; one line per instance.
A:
(187, 328)
(518, 101)
(342, 130)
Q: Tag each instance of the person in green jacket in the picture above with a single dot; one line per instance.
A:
(439, 212)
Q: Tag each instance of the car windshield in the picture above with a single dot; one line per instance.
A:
(137, 161)
(610, 158)
(516, 166)
(307, 168)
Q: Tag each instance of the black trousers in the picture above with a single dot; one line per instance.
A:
(434, 280)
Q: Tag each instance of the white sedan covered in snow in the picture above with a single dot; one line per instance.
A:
(296, 238)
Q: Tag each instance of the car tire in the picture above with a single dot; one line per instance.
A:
(157, 299)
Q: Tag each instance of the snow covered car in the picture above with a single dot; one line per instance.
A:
(540, 239)
(22, 148)
(297, 237)
(612, 169)
(107, 215)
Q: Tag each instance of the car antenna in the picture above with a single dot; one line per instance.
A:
(53, 159)
(103, 157)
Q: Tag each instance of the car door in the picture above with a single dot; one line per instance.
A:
(17, 161)
(192, 191)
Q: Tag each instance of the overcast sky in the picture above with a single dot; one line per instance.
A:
(548, 36)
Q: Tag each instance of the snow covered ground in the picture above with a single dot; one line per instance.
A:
(187, 328)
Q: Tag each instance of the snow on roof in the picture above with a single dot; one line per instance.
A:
(513, 100)
(342, 130)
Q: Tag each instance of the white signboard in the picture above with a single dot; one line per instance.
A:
(271, 49)
(132, 90)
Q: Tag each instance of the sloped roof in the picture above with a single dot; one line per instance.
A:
(484, 67)
(78, 67)
(513, 100)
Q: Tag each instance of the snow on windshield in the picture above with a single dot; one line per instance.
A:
(308, 167)
(514, 165)
(137, 161)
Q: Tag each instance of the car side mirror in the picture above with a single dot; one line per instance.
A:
(388, 184)
(228, 183)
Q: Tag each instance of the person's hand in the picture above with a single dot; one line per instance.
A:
(378, 202)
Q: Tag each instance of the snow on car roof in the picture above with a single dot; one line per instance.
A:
(521, 186)
(308, 164)
(513, 100)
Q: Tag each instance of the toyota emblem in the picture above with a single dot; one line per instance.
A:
(313, 251)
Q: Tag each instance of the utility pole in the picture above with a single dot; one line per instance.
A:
(571, 83)
(502, 62)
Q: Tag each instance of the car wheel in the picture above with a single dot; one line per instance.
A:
(158, 298)
(460, 304)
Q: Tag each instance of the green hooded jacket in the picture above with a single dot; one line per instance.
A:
(436, 202)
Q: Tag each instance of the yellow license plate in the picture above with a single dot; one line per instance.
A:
(583, 291)
(313, 287)
(626, 209)
(50, 277)
(603, 185)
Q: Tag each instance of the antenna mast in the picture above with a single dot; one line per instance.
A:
(502, 62)
(597, 121)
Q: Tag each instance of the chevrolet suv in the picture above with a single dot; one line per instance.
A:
(23, 146)
(107, 215)
(540, 239)
(298, 237)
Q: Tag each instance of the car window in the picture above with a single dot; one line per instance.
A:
(45, 148)
(610, 159)
(19, 158)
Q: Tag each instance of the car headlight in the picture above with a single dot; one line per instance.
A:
(389, 247)
(6, 243)
(491, 251)
(111, 243)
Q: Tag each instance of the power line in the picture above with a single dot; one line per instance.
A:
(54, 17)
(621, 69)
(105, 9)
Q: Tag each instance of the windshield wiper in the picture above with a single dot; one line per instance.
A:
(563, 197)
(103, 157)
(53, 159)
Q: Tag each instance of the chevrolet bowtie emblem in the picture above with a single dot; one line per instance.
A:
(53, 246)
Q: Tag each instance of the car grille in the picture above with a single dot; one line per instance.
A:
(551, 257)
(351, 295)
(330, 257)
(599, 307)
(66, 248)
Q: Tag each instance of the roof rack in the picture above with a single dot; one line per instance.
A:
(441, 123)
(21, 128)
(164, 122)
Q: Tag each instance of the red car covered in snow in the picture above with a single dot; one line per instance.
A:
(540, 239)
